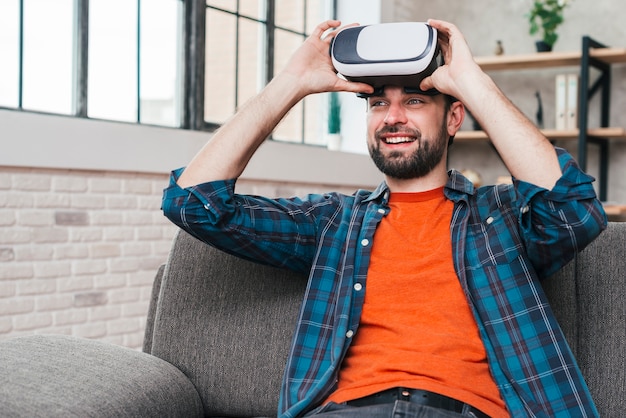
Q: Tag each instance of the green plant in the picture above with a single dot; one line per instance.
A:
(545, 17)
(334, 114)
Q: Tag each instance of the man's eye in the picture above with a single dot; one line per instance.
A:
(415, 101)
(377, 103)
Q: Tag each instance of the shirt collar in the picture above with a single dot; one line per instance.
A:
(381, 193)
(457, 188)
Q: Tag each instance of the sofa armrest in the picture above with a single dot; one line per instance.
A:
(62, 376)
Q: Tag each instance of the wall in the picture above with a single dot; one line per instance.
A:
(483, 22)
(81, 231)
(78, 252)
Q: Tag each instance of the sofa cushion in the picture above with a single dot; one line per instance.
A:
(154, 298)
(601, 304)
(227, 324)
(61, 376)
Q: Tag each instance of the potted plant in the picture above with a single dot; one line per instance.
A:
(544, 17)
(334, 122)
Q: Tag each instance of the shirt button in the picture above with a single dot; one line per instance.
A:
(349, 334)
(207, 206)
(381, 211)
(489, 220)
(365, 242)
(358, 286)
(525, 209)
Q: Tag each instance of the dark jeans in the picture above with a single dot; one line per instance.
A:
(399, 409)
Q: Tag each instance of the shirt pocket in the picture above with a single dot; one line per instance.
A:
(494, 240)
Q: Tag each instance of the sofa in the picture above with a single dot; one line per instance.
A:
(219, 330)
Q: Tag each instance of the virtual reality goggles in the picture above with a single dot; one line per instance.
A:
(401, 54)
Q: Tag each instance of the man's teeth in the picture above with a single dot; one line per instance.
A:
(398, 139)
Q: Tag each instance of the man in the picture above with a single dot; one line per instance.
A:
(424, 295)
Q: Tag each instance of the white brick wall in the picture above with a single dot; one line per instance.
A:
(79, 249)
(78, 252)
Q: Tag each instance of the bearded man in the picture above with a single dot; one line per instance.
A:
(424, 297)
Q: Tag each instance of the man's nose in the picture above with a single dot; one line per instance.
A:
(396, 114)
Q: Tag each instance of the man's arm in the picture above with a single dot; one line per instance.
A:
(309, 71)
(527, 153)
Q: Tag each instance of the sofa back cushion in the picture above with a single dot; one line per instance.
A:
(601, 305)
(588, 297)
(227, 324)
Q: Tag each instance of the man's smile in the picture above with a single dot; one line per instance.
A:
(395, 136)
(397, 139)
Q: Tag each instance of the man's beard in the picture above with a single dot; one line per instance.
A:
(415, 165)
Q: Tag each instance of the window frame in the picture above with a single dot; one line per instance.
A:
(194, 57)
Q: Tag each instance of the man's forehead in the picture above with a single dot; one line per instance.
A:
(380, 91)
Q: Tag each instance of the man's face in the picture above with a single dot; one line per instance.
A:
(406, 132)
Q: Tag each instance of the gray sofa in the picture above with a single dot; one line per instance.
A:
(219, 330)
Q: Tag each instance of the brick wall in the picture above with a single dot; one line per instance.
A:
(79, 250)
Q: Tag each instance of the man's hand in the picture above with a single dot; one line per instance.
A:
(311, 66)
(459, 66)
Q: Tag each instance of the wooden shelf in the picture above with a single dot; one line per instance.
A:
(594, 55)
(610, 133)
(613, 209)
(549, 59)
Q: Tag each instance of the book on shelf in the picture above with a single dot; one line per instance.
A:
(561, 101)
(566, 101)
(572, 102)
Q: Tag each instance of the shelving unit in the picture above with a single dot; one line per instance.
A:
(593, 54)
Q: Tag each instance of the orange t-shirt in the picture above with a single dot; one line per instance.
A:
(417, 329)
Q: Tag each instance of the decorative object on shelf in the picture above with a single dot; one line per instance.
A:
(539, 114)
(334, 122)
(499, 50)
(544, 18)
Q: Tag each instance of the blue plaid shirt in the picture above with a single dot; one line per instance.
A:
(505, 238)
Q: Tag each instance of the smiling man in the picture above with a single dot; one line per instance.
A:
(424, 295)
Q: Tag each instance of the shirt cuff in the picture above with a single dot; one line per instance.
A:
(212, 195)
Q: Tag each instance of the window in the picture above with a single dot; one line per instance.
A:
(36, 55)
(133, 60)
(246, 43)
(180, 63)
(10, 54)
(133, 69)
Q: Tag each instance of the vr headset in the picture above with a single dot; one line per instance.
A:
(401, 54)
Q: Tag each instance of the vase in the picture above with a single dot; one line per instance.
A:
(543, 46)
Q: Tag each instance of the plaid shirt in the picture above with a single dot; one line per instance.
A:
(505, 238)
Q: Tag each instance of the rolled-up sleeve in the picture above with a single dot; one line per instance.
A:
(568, 216)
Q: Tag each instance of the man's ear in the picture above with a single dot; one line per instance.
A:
(456, 116)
